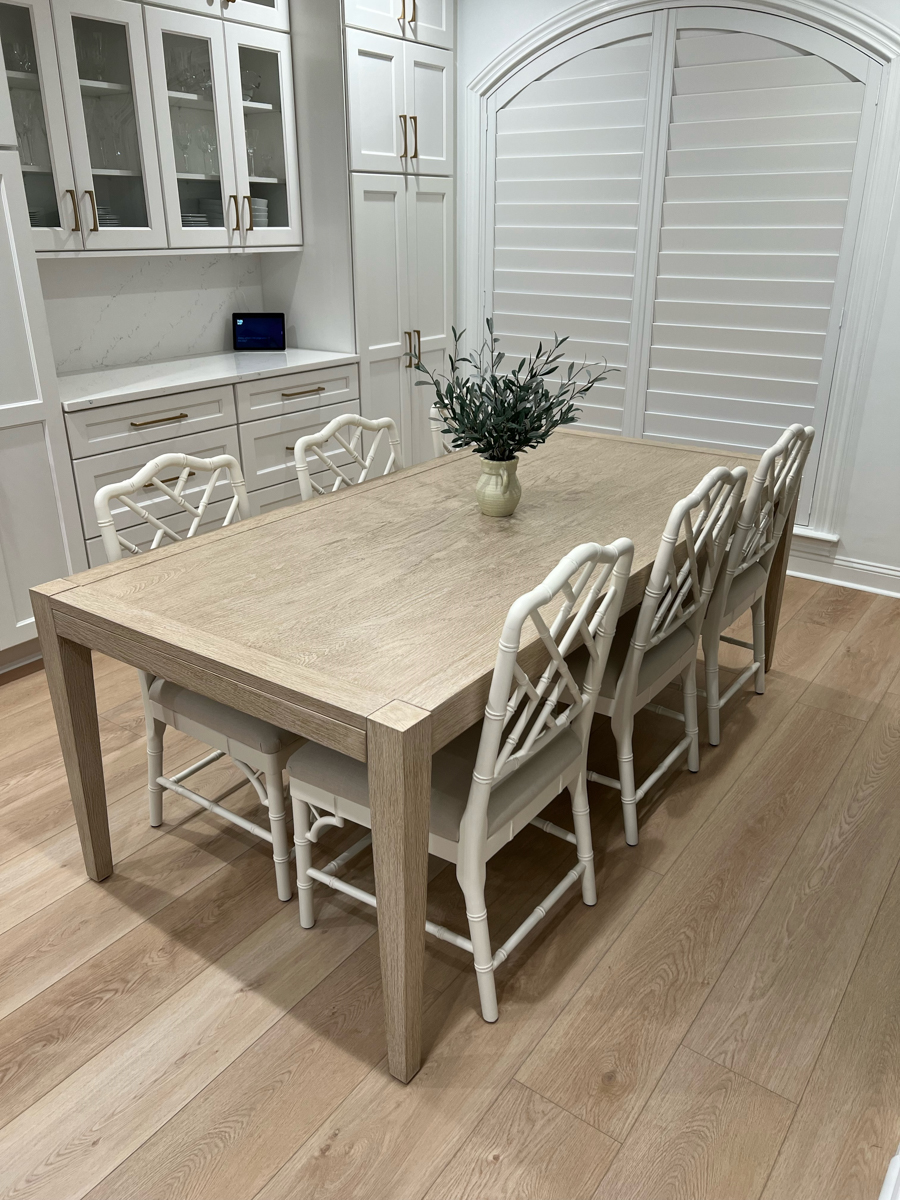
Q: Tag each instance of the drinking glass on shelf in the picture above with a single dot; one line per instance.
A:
(252, 149)
(250, 83)
(18, 56)
(206, 137)
(181, 134)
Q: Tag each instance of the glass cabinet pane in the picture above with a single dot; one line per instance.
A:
(21, 62)
(104, 76)
(264, 137)
(193, 125)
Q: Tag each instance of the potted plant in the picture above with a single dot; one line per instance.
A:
(503, 414)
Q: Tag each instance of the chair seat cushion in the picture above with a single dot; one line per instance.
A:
(744, 586)
(451, 778)
(655, 663)
(240, 727)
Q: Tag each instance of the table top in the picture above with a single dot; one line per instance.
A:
(393, 590)
(112, 385)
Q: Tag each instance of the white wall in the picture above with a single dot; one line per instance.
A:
(868, 515)
(115, 311)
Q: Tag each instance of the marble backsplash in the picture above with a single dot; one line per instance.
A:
(117, 311)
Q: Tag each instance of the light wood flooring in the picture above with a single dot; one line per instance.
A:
(724, 1025)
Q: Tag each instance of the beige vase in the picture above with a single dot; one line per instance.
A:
(498, 489)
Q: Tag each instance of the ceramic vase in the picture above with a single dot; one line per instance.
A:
(498, 489)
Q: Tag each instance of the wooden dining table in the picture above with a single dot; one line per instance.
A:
(366, 620)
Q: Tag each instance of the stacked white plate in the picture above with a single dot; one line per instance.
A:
(260, 210)
(194, 220)
(106, 218)
(212, 210)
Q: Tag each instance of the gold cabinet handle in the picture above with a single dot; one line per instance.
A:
(173, 479)
(409, 346)
(308, 392)
(76, 228)
(237, 214)
(415, 125)
(158, 421)
(250, 210)
(95, 228)
(418, 333)
(402, 16)
(413, 18)
(405, 153)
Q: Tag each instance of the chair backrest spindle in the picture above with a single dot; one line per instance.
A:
(347, 448)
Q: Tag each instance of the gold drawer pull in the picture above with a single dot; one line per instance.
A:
(174, 479)
(158, 421)
(307, 392)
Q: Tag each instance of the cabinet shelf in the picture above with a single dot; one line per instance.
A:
(26, 80)
(99, 87)
(190, 100)
(258, 106)
(264, 179)
(195, 175)
(115, 173)
(34, 169)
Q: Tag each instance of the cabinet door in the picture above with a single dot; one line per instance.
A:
(382, 299)
(380, 16)
(265, 139)
(380, 135)
(429, 102)
(33, 492)
(430, 271)
(29, 54)
(106, 86)
(193, 119)
(431, 22)
(269, 14)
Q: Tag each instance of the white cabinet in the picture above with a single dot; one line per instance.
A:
(32, 73)
(401, 105)
(270, 14)
(427, 21)
(403, 253)
(106, 86)
(36, 487)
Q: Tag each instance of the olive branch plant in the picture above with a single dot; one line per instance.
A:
(502, 413)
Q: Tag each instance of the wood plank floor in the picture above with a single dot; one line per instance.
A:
(724, 1025)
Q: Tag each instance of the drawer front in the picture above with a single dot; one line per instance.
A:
(91, 474)
(144, 422)
(143, 535)
(296, 393)
(280, 495)
(268, 446)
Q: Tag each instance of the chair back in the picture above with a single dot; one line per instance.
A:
(681, 583)
(165, 479)
(346, 473)
(522, 717)
(767, 507)
(441, 441)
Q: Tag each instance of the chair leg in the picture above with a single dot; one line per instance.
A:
(689, 694)
(625, 755)
(476, 913)
(581, 816)
(281, 854)
(759, 643)
(713, 708)
(304, 862)
(155, 733)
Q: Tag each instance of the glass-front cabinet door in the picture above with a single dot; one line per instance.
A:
(270, 14)
(29, 57)
(193, 120)
(106, 84)
(265, 142)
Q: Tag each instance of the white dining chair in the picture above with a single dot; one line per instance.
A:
(744, 578)
(497, 777)
(660, 644)
(344, 458)
(442, 442)
(260, 750)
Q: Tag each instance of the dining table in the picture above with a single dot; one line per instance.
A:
(367, 620)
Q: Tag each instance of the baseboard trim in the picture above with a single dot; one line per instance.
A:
(822, 565)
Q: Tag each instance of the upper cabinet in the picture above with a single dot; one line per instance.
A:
(401, 106)
(270, 14)
(106, 86)
(429, 22)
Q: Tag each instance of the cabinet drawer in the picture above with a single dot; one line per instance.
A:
(296, 393)
(91, 474)
(143, 535)
(144, 422)
(279, 495)
(268, 446)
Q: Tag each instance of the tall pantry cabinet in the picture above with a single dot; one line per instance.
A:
(400, 82)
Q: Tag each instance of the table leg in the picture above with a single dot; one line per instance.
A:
(70, 677)
(775, 588)
(399, 757)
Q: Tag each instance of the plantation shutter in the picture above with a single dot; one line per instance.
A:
(723, 152)
(568, 183)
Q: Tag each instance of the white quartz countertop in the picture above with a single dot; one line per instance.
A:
(110, 386)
